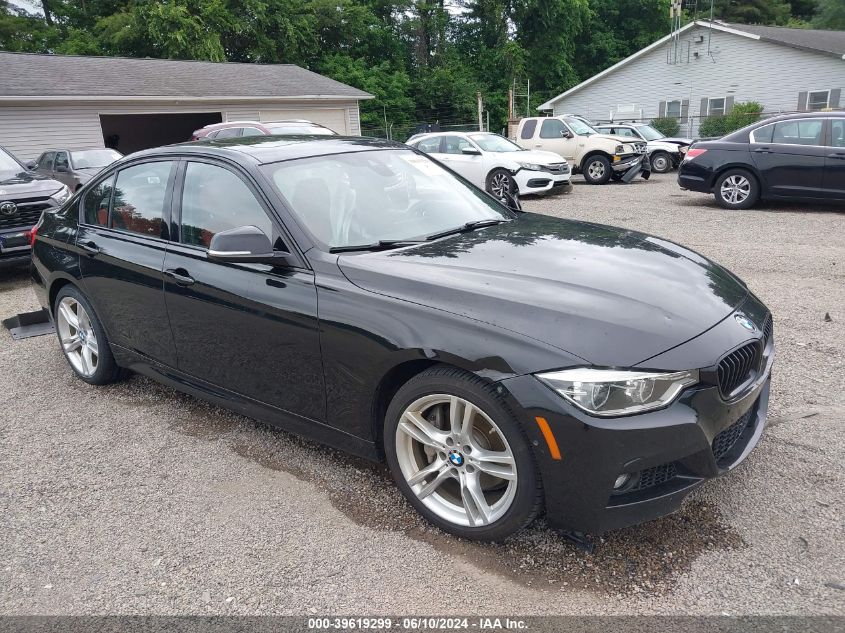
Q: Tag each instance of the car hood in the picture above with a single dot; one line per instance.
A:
(540, 157)
(676, 140)
(27, 183)
(609, 296)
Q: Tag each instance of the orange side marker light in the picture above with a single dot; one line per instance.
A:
(550, 438)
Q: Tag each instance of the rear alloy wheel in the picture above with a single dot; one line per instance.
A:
(459, 457)
(660, 162)
(83, 339)
(736, 189)
(597, 170)
(500, 183)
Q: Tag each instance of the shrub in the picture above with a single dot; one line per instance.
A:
(667, 125)
(741, 114)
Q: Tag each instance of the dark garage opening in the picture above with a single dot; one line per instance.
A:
(129, 133)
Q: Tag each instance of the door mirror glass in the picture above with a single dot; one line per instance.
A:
(470, 151)
(566, 133)
(243, 244)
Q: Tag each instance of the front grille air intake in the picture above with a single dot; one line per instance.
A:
(737, 367)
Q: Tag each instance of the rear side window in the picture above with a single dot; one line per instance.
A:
(429, 145)
(61, 160)
(214, 199)
(552, 128)
(806, 132)
(46, 161)
(228, 132)
(762, 134)
(139, 196)
(528, 129)
(95, 207)
(837, 132)
(252, 131)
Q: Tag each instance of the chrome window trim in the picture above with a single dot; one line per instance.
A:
(809, 118)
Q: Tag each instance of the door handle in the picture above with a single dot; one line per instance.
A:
(89, 247)
(763, 150)
(839, 155)
(180, 276)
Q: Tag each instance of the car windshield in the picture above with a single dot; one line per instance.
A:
(8, 165)
(494, 143)
(649, 133)
(299, 128)
(362, 198)
(94, 158)
(579, 127)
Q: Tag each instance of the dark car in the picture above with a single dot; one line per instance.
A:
(357, 292)
(237, 129)
(23, 196)
(796, 156)
(74, 167)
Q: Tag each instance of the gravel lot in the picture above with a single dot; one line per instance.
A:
(136, 499)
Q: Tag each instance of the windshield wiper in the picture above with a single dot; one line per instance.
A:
(381, 245)
(469, 226)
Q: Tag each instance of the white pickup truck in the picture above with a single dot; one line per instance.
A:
(599, 157)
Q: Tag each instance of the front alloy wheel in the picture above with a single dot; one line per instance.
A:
(460, 456)
(456, 460)
(500, 183)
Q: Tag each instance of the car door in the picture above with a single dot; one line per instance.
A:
(790, 156)
(550, 136)
(470, 166)
(121, 242)
(248, 328)
(61, 169)
(834, 166)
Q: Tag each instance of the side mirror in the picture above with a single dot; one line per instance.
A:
(566, 134)
(470, 151)
(30, 164)
(244, 244)
(62, 169)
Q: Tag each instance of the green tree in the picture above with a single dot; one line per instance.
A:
(830, 15)
(775, 12)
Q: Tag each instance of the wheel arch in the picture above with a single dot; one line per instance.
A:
(590, 154)
(744, 167)
(55, 287)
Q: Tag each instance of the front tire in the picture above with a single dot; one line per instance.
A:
(460, 457)
(498, 183)
(83, 339)
(597, 169)
(661, 162)
(736, 189)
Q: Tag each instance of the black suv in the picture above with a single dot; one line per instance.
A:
(23, 196)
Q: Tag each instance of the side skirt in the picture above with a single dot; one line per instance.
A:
(305, 427)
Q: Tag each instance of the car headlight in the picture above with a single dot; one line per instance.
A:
(531, 166)
(620, 149)
(61, 196)
(613, 392)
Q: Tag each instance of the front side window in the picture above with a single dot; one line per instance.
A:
(95, 207)
(626, 132)
(673, 109)
(455, 144)
(61, 160)
(552, 128)
(429, 145)
(363, 197)
(494, 143)
(228, 132)
(837, 136)
(528, 129)
(139, 197)
(716, 107)
(804, 132)
(818, 100)
(214, 199)
(579, 127)
(46, 161)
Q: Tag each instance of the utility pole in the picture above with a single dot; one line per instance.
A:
(386, 131)
(510, 103)
(528, 99)
(480, 112)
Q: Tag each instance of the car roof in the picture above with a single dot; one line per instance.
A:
(274, 148)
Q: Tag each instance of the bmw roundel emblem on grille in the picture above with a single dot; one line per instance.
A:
(8, 209)
(456, 458)
(744, 321)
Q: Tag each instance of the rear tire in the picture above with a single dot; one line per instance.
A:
(736, 189)
(83, 339)
(460, 457)
(597, 169)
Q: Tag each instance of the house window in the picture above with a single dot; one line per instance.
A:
(818, 100)
(716, 107)
(673, 109)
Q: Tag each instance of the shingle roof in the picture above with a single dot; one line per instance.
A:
(809, 39)
(32, 75)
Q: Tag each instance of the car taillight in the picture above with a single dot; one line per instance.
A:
(692, 153)
(34, 231)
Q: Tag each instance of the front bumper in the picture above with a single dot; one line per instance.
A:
(669, 452)
(541, 182)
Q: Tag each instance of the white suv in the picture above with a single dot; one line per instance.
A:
(496, 164)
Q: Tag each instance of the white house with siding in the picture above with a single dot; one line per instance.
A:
(67, 101)
(706, 67)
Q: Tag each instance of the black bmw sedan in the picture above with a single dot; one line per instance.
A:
(355, 291)
(796, 156)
